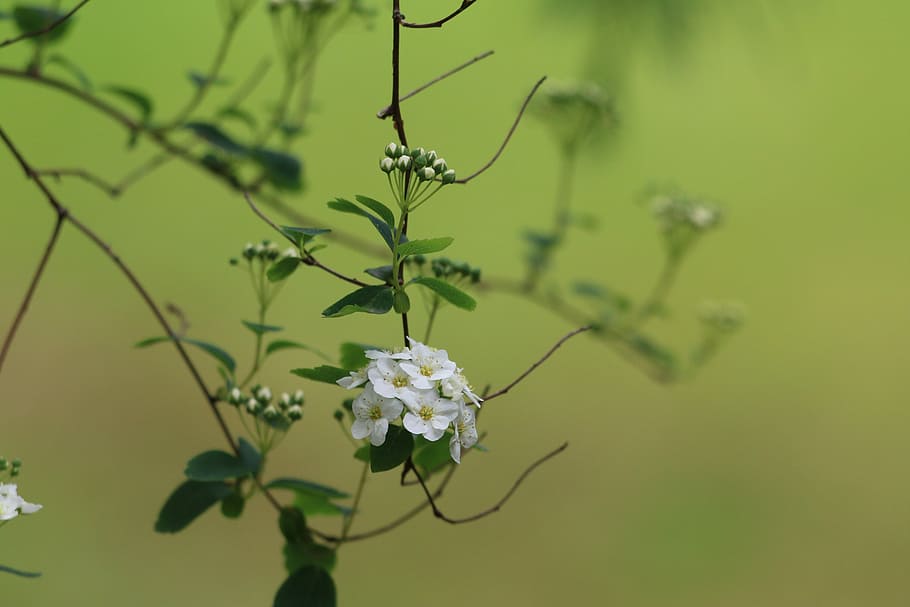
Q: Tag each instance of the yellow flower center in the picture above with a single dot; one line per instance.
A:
(426, 371)
(375, 413)
(400, 381)
(426, 413)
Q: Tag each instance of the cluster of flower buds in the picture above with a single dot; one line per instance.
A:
(674, 212)
(446, 269)
(265, 251)
(10, 467)
(303, 6)
(420, 382)
(12, 504)
(574, 111)
(288, 408)
(722, 316)
(414, 171)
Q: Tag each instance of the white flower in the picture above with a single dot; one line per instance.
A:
(12, 505)
(427, 365)
(456, 386)
(429, 414)
(403, 354)
(354, 379)
(372, 414)
(390, 380)
(465, 433)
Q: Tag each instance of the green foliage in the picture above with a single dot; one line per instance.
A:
(353, 356)
(260, 329)
(385, 229)
(232, 506)
(398, 445)
(286, 344)
(284, 171)
(292, 523)
(371, 300)
(450, 293)
(212, 134)
(324, 373)
(30, 19)
(424, 247)
(219, 465)
(187, 502)
(298, 556)
(377, 207)
(218, 353)
(137, 99)
(311, 586)
(302, 236)
(282, 268)
(432, 456)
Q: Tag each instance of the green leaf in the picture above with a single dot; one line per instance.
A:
(311, 586)
(187, 502)
(375, 299)
(215, 136)
(282, 268)
(378, 208)
(363, 453)
(218, 466)
(71, 68)
(346, 206)
(232, 506)
(383, 273)
(314, 505)
(398, 445)
(302, 486)
(301, 236)
(223, 357)
(293, 526)
(452, 294)
(325, 374)
(432, 456)
(201, 80)
(353, 355)
(284, 171)
(424, 247)
(35, 18)
(20, 573)
(250, 457)
(298, 556)
(137, 98)
(285, 344)
(259, 329)
(239, 114)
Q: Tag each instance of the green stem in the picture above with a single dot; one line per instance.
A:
(432, 318)
(349, 520)
(658, 295)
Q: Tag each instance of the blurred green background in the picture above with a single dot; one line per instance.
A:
(776, 477)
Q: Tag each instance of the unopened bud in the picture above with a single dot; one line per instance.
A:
(264, 394)
(235, 396)
(295, 412)
(270, 412)
(404, 164)
(249, 251)
(426, 174)
(252, 406)
(298, 397)
(338, 415)
(440, 166)
(431, 157)
(386, 165)
(391, 150)
(401, 302)
(285, 401)
(448, 177)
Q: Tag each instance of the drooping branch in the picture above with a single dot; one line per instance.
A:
(387, 111)
(46, 29)
(505, 142)
(539, 362)
(465, 5)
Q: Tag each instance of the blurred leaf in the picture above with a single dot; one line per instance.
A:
(218, 466)
(250, 457)
(398, 445)
(314, 505)
(378, 208)
(353, 356)
(302, 486)
(200, 79)
(71, 68)
(363, 453)
(232, 506)
(35, 18)
(452, 294)
(223, 357)
(423, 247)
(215, 136)
(383, 273)
(325, 374)
(239, 114)
(301, 236)
(371, 300)
(309, 586)
(292, 524)
(137, 98)
(346, 206)
(259, 329)
(187, 502)
(284, 171)
(298, 556)
(283, 268)
(431, 456)
(286, 344)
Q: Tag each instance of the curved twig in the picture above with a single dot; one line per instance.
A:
(44, 30)
(465, 5)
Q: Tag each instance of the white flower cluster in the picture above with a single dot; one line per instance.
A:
(420, 382)
(12, 504)
(678, 211)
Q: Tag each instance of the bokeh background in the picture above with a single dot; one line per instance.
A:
(777, 476)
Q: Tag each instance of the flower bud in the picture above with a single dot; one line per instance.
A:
(249, 251)
(264, 394)
(431, 157)
(338, 415)
(270, 412)
(426, 174)
(404, 164)
(403, 151)
(420, 161)
(285, 401)
(401, 302)
(448, 177)
(386, 165)
(391, 150)
(440, 166)
(290, 252)
(232, 505)
(235, 396)
(295, 412)
(298, 397)
(252, 406)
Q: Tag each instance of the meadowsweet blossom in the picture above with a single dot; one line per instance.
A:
(424, 385)
(12, 504)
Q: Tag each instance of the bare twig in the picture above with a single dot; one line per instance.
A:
(542, 359)
(505, 142)
(33, 285)
(308, 259)
(111, 190)
(465, 5)
(44, 30)
(495, 507)
(387, 110)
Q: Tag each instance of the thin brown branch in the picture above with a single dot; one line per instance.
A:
(30, 292)
(111, 190)
(465, 5)
(63, 214)
(495, 507)
(542, 359)
(308, 259)
(44, 30)
(505, 142)
(387, 111)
